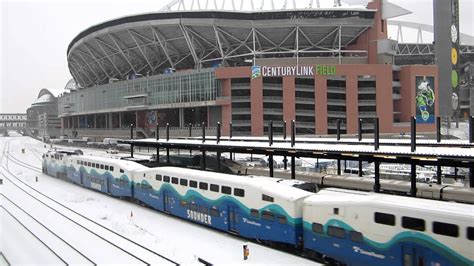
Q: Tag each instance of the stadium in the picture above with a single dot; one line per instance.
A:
(196, 62)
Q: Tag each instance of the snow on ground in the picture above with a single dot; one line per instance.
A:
(174, 238)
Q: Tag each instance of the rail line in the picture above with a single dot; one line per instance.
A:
(45, 227)
(151, 253)
(33, 234)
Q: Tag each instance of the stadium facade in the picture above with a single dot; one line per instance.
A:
(314, 66)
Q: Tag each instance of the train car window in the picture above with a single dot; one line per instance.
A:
(267, 198)
(239, 192)
(445, 229)
(144, 175)
(93, 165)
(203, 185)
(335, 211)
(174, 180)
(282, 219)
(214, 212)
(183, 203)
(254, 213)
(112, 168)
(158, 177)
(166, 179)
(122, 171)
(318, 228)
(413, 223)
(107, 167)
(226, 190)
(336, 232)
(203, 209)
(193, 206)
(193, 183)
(89, 164)
(470, 233)
(356, 236)
(384, 218)
(102, 166)
(183, 182)
(214, 188)
(266, 215)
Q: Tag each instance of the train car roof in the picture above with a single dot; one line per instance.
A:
(263, 184)
(126, 165)
(352, 198)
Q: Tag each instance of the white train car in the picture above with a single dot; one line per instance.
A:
(364, 228)
(108, 175)
(251, 207)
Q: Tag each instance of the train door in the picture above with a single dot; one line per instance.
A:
(233, 219)
(413, 256)
(166, 203)
(109, 184)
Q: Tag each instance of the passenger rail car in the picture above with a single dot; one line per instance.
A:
(364, 228)
(251, 207)
(352, 227)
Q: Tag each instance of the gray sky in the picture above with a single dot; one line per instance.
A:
(34, 36)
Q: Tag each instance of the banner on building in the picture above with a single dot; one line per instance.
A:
(150, 119)
(425, 99)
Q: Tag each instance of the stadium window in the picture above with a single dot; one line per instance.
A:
(266, 215)
(470, 233)
(318, 228)
(166, 179)
(183, 203)
(203, 209)
(214, 212)
(183, 182)
(121, 170)
(158, 177)
(254, 213)
(107, 167)
(336, 232)
(174, 180)
(356, 236)
(102, 166)
(193, 206)
(384, 218)
(445, 229)
(226, 190)
(413, 223)
(214, 188)
(193, 183)
(111, 168)
(267, 198)
(239, 192)
(203, 185)
(282, 219)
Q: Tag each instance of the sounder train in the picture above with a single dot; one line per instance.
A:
(339, 225)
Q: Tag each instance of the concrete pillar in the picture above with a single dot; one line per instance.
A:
(289, 105)
(256, 106)
(352, 103)
(321, 105)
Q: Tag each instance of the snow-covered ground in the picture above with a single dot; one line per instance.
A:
(178, 240)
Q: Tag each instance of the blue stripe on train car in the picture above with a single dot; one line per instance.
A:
(73, 175)
(406, 248)
(119, 187)
(228, 213)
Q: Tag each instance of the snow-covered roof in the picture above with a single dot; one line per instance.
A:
(330, 196)
(262, 184)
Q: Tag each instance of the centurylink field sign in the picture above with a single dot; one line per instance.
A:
(282, 71)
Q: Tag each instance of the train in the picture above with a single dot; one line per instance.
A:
(341, 226)
(443, 192)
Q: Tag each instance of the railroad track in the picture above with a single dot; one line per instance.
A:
(101, 235)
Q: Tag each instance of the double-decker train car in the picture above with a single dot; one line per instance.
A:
(365, 228)
(254, 208)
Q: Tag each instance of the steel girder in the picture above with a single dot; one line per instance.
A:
(149, 47)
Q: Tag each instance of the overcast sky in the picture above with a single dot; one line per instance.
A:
(34, 36)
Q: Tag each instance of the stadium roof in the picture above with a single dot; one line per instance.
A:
(151, 43)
